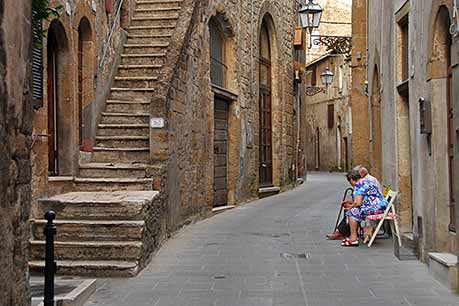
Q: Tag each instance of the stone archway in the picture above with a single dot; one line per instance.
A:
(60, 109)
(439, 71)
(269, 111)
(85, 85)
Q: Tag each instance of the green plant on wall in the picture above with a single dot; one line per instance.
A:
(40, 12)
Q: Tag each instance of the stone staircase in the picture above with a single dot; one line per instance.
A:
(108, 225)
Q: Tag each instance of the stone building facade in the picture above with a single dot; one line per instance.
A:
(154, 113)
(328, 116)
(15, 142)
(328, 119)
(413, 109)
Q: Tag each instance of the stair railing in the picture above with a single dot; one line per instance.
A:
(110, 34)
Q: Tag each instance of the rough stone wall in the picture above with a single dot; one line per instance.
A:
(15, 141)
(429, 205)
(317, 118)
(96, 84)
(190, 104)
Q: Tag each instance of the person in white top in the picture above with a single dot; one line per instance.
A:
(364, 174)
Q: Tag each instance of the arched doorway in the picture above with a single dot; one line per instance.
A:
(442, 112)
(265, 108)
(59, 116)
(376, 167)
(84, 94)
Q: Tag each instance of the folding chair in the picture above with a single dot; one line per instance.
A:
(390, 215)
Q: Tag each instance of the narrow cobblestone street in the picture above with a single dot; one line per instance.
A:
(273, 252)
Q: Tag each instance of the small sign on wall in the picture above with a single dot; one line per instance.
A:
(156, 123)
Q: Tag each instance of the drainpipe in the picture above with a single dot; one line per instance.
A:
(367, 93)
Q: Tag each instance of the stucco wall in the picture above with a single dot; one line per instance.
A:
(429, 175)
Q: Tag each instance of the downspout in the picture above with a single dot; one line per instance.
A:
(367, 91)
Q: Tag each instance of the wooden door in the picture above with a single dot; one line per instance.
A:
(52, 105)
(266, 162)
(220, 152)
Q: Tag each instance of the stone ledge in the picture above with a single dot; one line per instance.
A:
(222, 208)
(445, 259)
(60, 178)
(268, 189)
(76, 297)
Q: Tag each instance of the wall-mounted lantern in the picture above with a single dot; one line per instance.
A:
(425, 116)
(327, 77)
(310, 15)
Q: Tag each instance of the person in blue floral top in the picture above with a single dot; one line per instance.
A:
(368, 200)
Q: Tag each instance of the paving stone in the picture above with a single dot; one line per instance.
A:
(234, 259)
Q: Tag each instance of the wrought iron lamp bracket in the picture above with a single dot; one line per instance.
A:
(313, 90)
(338, 44)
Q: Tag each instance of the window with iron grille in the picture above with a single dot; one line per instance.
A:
(37, 63)
(217, 56)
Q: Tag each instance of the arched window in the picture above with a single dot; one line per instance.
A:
(217, 54)
(265, 109)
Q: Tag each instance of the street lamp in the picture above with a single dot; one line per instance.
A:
(327, 77)
(310, 15)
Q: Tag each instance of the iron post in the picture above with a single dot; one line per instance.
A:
(50, 264)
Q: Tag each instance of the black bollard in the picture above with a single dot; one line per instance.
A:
(50, 264)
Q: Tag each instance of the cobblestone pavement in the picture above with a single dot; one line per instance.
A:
(273, 252)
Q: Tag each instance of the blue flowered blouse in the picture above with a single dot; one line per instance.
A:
(371, 196)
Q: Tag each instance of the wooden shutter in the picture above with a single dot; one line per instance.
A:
(331, 116)
(37, 64)
(298, 43)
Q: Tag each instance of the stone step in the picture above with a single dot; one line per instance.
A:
(93, 268)
(143, 59)
(132, 155)
(158, 9)
(148, 38)
(145, 48)
(127, 106)
(118, 205)
(122, 141)
(88, 250)
(166, 20)
(136, 70)
(128, 93)
(123, 129)
(157, 3)
(113, 184)
(136, 118)
(101, 170)
(136, 82)
(157, 12)
(91, 230)
(152, 30)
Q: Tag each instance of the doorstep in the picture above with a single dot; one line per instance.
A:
(268, 191)
(443, 266)
(75, 292)
(220, 209)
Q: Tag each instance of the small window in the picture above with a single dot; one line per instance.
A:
(404, 48)
(331, 116)
(217, 56)
(340, 77)
(314, 75)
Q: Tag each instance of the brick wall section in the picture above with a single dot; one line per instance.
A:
(190, 107)
(15, 141)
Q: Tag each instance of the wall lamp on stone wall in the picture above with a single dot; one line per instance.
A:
(327, 77)
(310, 15)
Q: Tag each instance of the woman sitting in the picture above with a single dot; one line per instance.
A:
(368, 200)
